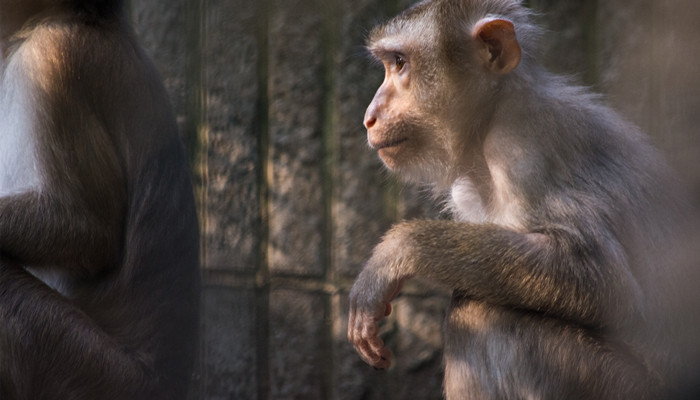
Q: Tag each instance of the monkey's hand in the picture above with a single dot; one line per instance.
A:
(370, 301)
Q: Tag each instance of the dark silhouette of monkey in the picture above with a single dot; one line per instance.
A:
(566, 253)
(99, 278)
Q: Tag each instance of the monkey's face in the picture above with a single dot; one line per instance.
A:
(437, 90)
(398, 124)
(386, 119)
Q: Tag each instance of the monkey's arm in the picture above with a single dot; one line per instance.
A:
(40, 229)
(74, 216)
(36, 320)
(558, 272)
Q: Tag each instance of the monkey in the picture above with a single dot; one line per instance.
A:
(99, 242)
(564, 248)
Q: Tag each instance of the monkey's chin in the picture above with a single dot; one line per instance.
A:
(389, 156)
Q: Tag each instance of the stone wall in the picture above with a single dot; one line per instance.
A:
(270, 96)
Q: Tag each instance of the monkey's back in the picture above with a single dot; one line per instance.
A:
(157, 288)
(591, 176)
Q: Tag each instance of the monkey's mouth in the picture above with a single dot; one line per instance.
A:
(387, 144)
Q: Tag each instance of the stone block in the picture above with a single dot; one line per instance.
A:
(299, 351)
(231, 153)
(230, 340)
(297, 209)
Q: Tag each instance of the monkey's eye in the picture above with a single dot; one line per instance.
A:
(399, 62)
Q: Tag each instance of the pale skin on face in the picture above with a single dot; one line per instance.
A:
(391, 102)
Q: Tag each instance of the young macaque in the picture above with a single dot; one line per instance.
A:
(99, 277)
(565, 252)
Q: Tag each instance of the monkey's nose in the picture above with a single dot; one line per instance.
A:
(370, 121)
(370, 116)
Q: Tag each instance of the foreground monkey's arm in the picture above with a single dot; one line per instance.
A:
(37, 320)
(73, 225)
(39, 228)
(72, 218)
(556, 272)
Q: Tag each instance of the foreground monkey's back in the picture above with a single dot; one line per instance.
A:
(161, 251)
(158, 284)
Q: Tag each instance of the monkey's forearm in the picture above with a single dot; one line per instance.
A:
(548, 273)
(44, 340)
(37, 229)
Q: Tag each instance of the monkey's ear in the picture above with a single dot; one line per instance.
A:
(499, 48)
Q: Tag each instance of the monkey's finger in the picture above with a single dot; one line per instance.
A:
(379, 351)
(375, 343)
(364, 349)
(380, 359)
(366, 338)
(385, 359)
(354, 320)
(373, 352)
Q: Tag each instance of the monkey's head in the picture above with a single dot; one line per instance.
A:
(15, 13)
(444, 64)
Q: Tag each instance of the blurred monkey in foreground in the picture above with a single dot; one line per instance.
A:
(565, 255)
(99, 273)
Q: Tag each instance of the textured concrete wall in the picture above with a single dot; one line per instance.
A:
(270, 96)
